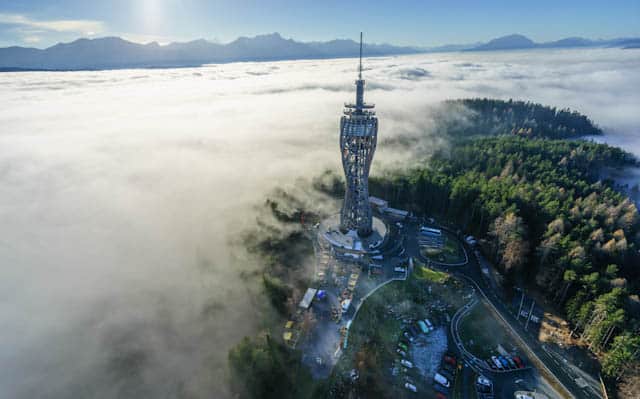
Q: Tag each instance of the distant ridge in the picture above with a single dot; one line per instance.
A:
(509, 42)
(520, 42)
(115, 52)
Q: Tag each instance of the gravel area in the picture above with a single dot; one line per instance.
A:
(427, 352)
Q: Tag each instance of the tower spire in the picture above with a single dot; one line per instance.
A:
(360, 69)
(360, 83)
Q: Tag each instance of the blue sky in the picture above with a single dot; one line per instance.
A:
(41, 23)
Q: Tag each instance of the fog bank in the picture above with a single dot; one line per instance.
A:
(121, 191)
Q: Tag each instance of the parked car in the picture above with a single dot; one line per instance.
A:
(448, 367)
(484, 385)
(504, 362)
(407, 336)
(518, 361)
(410, 387)
(491, 364)
(442, 389)
(446, 374)
(442, 380)
(512, 363)
(497, 363)
(401, 352)
(440, 396)
(403, 346)
(406, 363)
(414, 330)
(450, 359)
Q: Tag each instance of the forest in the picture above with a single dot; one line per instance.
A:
(528, 119)
(545, 217)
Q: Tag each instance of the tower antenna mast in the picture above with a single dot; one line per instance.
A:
(360, 69)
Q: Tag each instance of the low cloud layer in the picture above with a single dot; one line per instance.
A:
(120, 192)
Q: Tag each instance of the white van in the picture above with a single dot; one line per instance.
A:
(442, 380)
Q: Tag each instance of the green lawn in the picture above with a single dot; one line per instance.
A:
(424, 273)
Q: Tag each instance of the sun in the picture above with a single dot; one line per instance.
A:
(151, 14)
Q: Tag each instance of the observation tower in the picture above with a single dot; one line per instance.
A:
(358, 138)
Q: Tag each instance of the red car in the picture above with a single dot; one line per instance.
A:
(450, 359)
(440, 396)
(518, 362)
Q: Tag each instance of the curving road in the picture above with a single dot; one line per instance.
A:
(545, 360)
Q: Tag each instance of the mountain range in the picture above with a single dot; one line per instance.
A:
(520, 42)
(114, 52)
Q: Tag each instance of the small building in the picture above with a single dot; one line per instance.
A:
(431, 237)
(396, 214)
(378, 203)
(306, 301)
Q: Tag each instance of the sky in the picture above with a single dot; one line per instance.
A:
(41, 23)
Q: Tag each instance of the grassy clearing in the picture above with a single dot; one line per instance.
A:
(424, 273)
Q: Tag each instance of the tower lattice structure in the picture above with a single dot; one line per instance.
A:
(358, 139)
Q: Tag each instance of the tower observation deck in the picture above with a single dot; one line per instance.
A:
(358, 138)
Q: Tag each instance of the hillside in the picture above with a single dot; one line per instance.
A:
(537, 205)
(494, 117)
